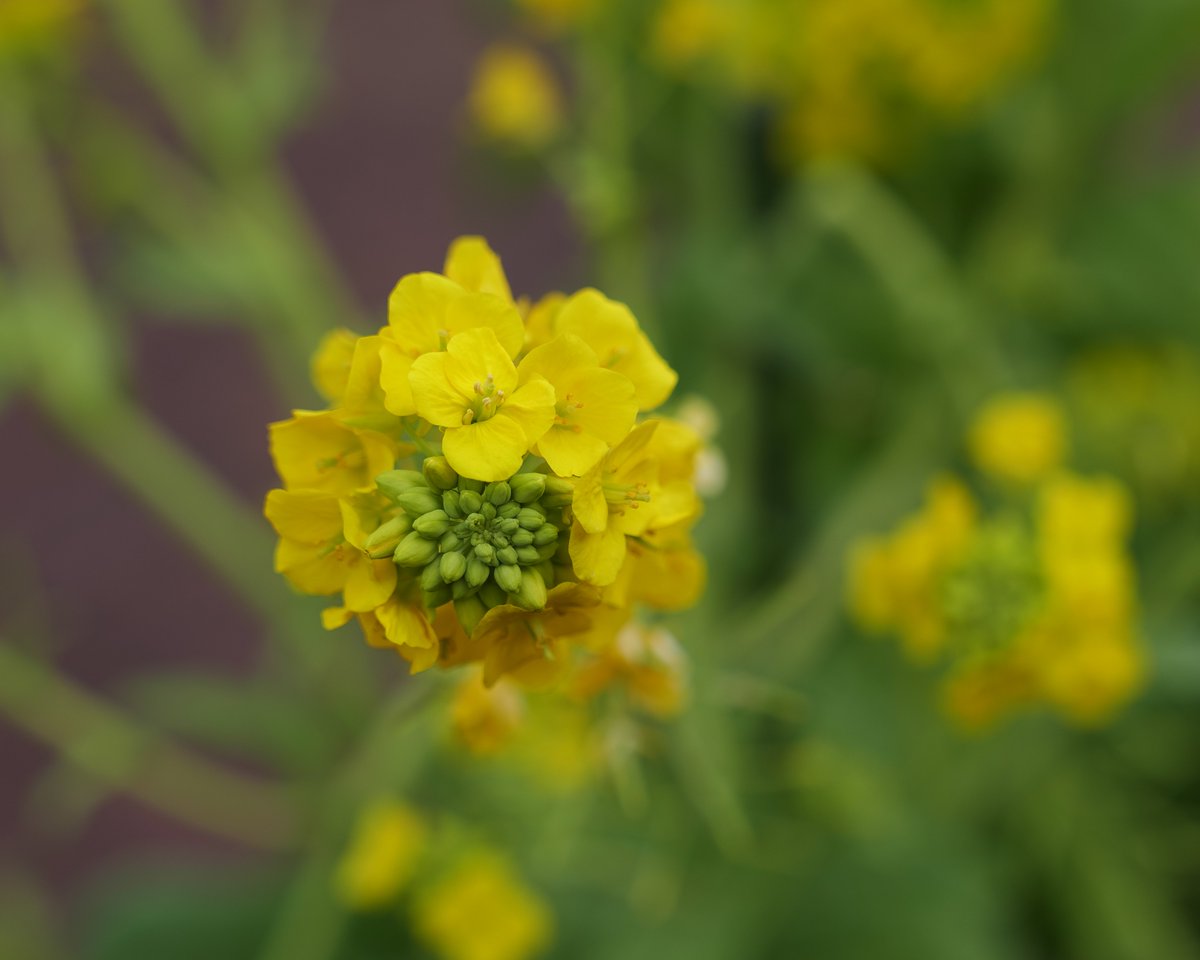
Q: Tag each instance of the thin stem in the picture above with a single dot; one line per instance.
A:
(99, 739)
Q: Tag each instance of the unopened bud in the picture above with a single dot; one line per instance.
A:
(558, 492)
(522, 538)
(470, 611)
(532, 595)
(477, 572)
(438, 473)
(528, 554)
(452, 566)
(527, 487)
(546, 569)
(470, 501)
(395, 482)
(546, 551)
(435, 598)
(530, 519)
(492, 595)
(546, 533)
(386, 537)
(460, 589)
(419, 500)
(431, 576)
(506, 555)
(486, 552)
(449, 542)
(508, 526)
(432, 524)
(509, 511)
(415, 551)
(498, 493)
(466, 483)
(450, 504)
(508, 577)
(489, 511)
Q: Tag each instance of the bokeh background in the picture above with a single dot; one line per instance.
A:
(846, 268)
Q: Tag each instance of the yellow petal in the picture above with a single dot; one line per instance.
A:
(490, 450)
(406, 625)
(369, 583)
(605, 405)
(597, 557)
(542, 320)
(417, 311)
(473, 264)
(433, 396)
(588, 502)
(309, 569)
(304, 516)
(334, 617)
(560, 356)
(487, 312)
(474, 356)
(363, 392)
(394, 365)
(569, 452)
(331, 364)
(532, 407)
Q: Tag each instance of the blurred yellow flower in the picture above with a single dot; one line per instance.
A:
(647, 663)
(381, 857)
(31, 23)
(481, 910)
(515, 99)
(1019, 437)
(484, 719)
(556, 15)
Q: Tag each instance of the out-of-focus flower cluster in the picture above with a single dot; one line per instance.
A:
(854, 77)
(1026, 593)
(486, 486)
(464, 899)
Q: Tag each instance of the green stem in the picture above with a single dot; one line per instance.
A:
(102, 741)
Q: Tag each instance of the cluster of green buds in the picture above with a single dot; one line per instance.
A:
(477, 544)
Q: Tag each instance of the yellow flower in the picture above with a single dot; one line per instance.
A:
(471, 390)
(474, 265)
(399, 624)
(382, 855)
(1088, 677)
(1019, 438)
(612, 331)
(485, 718)
(320, 549)
(594, 407)
(687, 30)
(621, 496)
(317, 451)
(648, 663)
(331, 364)
(531, 645)
(514, 98)
(426, 310)
(482, 911)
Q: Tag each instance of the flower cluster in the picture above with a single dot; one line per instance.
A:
(854, 76)
(395, 850)
(1030, 601)
(486, 486)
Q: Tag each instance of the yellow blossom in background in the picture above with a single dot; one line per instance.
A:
(381, 857)
(557, 15)
(647, 663)
(515, 99)
(1019, 438)
(481, 910)
(1033, 602)
(28, 24)
(484, 719)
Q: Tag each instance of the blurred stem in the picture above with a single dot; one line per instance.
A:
(94, 414)
(941, 315)
(311, 923)
(102, 741)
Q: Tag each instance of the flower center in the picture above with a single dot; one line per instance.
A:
(487, 400)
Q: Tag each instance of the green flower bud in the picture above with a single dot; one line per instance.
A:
(435, 598)
(508, 526)
(419, 500)
(387, 536)
(466, 483)
(395, 482)
(449, 542)
(509, 511)
(492, 595)
(558, 492)
(497, 494)
(450, 504)
(475, 519)
(415, 551)
(452, 566)
(528, 554)
(546, 533)
(522, 538)
(546, 551)
(470, 611)
(506, 555)
(530, 519)
(532, 594)
(546, 570)
(438, 473)
(460, 589)
(477, 572)
(432, 524)
(489, 511)
(470, 501)
(499, 540)
(508, 577)
(527, 487)
(431, 576)
(486, 552)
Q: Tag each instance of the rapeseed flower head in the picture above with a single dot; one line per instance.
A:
(514, 98)
(488, 484)
(1031, 601)
(481, 910)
